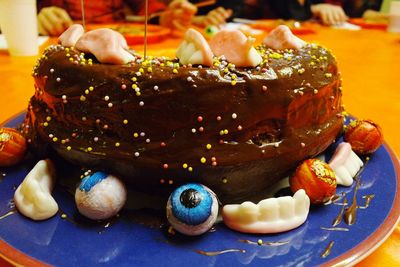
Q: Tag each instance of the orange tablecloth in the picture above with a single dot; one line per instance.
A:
(370, 64)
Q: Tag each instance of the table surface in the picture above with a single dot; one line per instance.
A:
(368, 59)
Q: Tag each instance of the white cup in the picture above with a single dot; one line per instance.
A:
(18, 23)
(394, 17)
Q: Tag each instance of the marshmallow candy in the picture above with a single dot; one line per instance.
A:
(33, 196)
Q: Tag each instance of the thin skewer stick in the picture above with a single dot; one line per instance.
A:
(146, 13)
(83, 15)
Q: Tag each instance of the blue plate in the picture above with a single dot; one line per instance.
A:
(60, 242)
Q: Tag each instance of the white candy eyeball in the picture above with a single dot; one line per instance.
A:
(192, 209)
(100, 196)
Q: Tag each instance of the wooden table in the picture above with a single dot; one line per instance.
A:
(370, 64)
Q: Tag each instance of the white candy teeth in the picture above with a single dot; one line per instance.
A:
(194, 49)
(253, 57)
(33, 196)
(345, 163)
(271, 215)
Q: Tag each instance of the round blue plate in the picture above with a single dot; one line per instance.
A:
(60, 242)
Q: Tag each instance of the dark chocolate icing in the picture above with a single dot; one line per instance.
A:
(158, 124)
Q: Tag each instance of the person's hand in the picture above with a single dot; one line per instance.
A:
(215, 17)
(178, 15)
(375, 16)
(53, 21)
(329, 14)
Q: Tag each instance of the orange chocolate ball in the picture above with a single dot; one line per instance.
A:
(364, 136)
(12, 147)
(317, 178)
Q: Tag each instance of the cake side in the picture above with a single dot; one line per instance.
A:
(160, 124)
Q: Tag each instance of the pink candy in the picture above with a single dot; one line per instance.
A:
(236, 47)
(71, 35)
(106, 45)
(282, 38)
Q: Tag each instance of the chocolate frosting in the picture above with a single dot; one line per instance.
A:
(159, 124)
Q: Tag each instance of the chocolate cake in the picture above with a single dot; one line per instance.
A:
(158, 124)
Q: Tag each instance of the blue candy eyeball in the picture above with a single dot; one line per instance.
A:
(100, 196)
(192, 209)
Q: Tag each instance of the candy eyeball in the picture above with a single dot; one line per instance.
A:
(100, 196)
(192, 209)
(210, 30)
